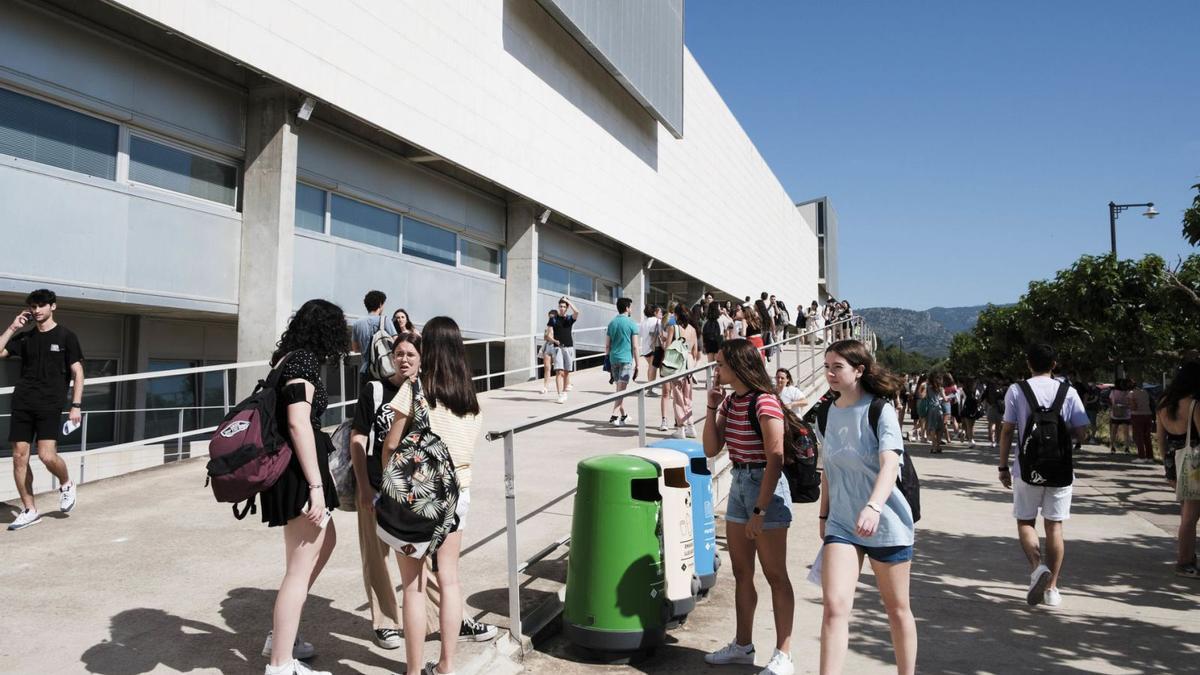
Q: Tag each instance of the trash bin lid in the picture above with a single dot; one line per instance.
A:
(628, 465)
(690, 447)
(662, 457)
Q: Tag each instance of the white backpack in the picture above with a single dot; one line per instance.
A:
(379, 354)
(341, 468)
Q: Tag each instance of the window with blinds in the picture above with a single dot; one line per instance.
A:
(181, 171)
(42, 132)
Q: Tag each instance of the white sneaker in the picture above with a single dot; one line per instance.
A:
(570, 387)
(678, 433)
(431, 669)
(731, 653)
(66, 497)
(562, 398)
(1053, 598)
(24, 519)
(296, 667)
(1037, 585)
(663, 426)
(689, 430)
(300, 648)
(543, 391)
(780, 664)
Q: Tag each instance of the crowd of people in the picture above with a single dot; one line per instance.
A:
(1035, 423)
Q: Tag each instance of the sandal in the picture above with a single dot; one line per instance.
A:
(1188, 570)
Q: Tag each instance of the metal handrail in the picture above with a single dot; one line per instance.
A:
(515, 567)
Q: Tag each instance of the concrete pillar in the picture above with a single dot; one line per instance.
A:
(268, 221)
(634, 282)
(520, 290)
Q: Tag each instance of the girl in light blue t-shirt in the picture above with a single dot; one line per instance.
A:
(862, 512)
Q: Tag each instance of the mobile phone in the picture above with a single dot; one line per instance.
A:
(325, 519)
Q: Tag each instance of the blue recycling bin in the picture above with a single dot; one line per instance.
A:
(704, 525)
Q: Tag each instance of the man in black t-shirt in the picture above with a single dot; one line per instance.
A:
(50, 358)
(564, 352)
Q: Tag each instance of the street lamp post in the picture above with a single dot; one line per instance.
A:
(1114, 210)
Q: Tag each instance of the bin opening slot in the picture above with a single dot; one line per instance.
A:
(645, 489)
(676, 478)
(700, 466)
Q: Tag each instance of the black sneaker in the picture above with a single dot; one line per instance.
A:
(388, 638)
(476, 631)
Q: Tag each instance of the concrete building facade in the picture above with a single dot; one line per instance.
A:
(185, 174)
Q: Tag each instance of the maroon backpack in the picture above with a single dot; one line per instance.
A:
(248, 452)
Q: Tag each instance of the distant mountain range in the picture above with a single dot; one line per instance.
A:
(927, 332)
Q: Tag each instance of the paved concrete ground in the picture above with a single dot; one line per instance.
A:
(1123, 611)
(150, 575)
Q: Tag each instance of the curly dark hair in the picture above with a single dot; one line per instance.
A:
(319, 326)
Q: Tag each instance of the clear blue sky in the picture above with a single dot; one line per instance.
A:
(968, 147)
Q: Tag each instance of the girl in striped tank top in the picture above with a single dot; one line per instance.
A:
(758, 510)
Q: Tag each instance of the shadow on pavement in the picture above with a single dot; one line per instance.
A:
(143, 639)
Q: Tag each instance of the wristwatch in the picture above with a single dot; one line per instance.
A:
(1004, 469)
(77, 405)
(874, 507)
(758, 511)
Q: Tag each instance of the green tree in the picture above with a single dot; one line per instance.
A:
(1098, 312)
(1191, 219)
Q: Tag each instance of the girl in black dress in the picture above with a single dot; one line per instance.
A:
(304, 494)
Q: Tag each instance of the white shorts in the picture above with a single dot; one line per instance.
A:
(464, 505)
(564, 359)
(1054, 502)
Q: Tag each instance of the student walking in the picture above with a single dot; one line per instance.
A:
(862, 511)
(993, 406)
(935, 417)
(1179, 428)
(50, 358)
(652, 350)
(447, 397)
(789, 395)
(547, 351)
(303, 498)
(1119, 415)
(713, 332)
(1038, 409)
(364, 330)
(681, 337)
(970, 410)
(564, 346)
(759, 507)
(1141, 417)
(401, 323)
(621, 344)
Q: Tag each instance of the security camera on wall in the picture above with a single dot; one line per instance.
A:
(544, 217)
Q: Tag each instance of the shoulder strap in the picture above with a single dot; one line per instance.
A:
(1191, 423)
(823, 414)
(273, 377)
(1060, 398)
(752, 412)
(874, 413)
(1030, 397)
(377, 400)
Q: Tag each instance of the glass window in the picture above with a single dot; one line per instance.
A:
(478, 256)
(426, 241)
(181, 171)
(364, 223)
(310, 208)
(45, 133)
(582, 286)
(609, 292)
(178, 391)
(553, 278)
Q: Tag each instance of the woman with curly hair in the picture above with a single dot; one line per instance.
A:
(304, 496)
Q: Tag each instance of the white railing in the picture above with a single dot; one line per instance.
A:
(534, 338)
(518, 628)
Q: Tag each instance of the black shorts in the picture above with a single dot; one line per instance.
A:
(712, 346)
(27, 425)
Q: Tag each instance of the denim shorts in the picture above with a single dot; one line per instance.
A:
(883, 554)
(743, 493)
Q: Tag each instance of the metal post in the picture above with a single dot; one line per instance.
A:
(1112, 227)
(83, 447)
(641, 418)
(487, 363)
(179, 440)
(225, 390)
(342, 384)
(510, 521)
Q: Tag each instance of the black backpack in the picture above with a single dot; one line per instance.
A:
(800, 452)
(1045, 454)
(712, 331)
(907, 479)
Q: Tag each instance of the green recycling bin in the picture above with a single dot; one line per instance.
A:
(615, 600)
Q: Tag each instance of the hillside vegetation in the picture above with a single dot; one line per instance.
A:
(927, 332)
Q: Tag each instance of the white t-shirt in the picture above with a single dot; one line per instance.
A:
(725, 323)
(789, 395)
(646, 329)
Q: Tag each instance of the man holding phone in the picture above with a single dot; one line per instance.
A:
(50, 357)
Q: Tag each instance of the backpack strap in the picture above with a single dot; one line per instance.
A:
(377, 399)
(250, 508)
(1060, 398)
(823, 413)
(875, 412)
(1034, 406)
(752, 411)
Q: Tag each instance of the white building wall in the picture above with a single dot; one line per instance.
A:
(499, 88)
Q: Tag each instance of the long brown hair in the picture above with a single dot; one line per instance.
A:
(445, 378)
(875, 378)
(747, 365)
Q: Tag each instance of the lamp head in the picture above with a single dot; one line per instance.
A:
(1150, 210)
